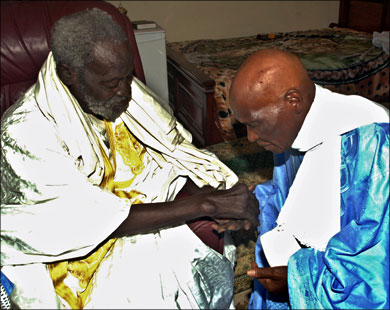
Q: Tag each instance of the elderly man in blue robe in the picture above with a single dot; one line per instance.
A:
(324, 217)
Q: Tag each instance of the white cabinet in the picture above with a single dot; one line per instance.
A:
(151, 46)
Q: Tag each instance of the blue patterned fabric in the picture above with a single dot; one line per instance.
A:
(353, 272)
(6, 287)
(6, 283)
(271, 196)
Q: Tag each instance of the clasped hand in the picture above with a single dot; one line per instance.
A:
(241, 201)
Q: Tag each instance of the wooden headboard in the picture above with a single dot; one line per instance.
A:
(365, 15)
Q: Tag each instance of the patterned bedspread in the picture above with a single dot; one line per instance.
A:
(342, 60)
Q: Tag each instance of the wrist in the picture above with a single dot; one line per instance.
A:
(206, 208)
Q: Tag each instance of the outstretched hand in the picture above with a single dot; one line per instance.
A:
(274, 279)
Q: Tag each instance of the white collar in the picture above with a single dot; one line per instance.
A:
(332, 114)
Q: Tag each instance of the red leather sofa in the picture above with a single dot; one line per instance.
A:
(25, 38)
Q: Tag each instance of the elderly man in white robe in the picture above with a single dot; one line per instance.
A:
(91, 165)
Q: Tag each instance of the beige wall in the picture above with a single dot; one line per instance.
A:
(191, 20)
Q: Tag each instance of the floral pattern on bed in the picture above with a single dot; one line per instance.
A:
(342, 60)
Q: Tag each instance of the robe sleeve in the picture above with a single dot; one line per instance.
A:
(271, 196)
(49, 209)
(353, 271)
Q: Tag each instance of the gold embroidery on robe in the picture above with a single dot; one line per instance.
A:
(132, 153)
(131, 150)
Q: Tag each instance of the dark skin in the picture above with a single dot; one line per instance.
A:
(274, 279)
(271, 94)
(107, 79)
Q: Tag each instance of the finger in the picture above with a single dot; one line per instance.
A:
(231, 223)
(218, 228)
(273, 273)
(221, 230)
(256, 273)
(215, 226)
(234, 227)
(251, 187)
(261, 273)
(221, 221)
(240, 224)
(252, 273)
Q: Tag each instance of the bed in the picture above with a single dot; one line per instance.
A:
(341, 57)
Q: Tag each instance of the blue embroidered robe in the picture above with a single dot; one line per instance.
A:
(353, 271)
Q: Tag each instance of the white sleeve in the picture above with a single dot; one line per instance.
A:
(278, 246)
(49, 209)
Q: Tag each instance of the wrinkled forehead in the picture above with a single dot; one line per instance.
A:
(265, 112)
(255, 106)
(112, 52)
(109, 56)
(253, 113)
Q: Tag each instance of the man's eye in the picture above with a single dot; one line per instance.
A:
(111, 84)
(115, 83)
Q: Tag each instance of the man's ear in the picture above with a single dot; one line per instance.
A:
(294, 100)
(67, 74)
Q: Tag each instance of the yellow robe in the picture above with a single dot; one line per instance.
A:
(132, 152)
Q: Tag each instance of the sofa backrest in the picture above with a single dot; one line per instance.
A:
(25, 38)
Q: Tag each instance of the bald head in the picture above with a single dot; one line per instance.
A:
(270, 71)
(272, 90)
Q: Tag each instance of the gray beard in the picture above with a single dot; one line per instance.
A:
(102, 108)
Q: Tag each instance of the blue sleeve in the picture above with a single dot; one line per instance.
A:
(353, 272)
(271, 196)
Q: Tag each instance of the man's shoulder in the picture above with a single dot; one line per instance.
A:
(368, 139)
(24, 121)
(370, 130)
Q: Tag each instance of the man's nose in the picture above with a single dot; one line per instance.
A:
(124, 89)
